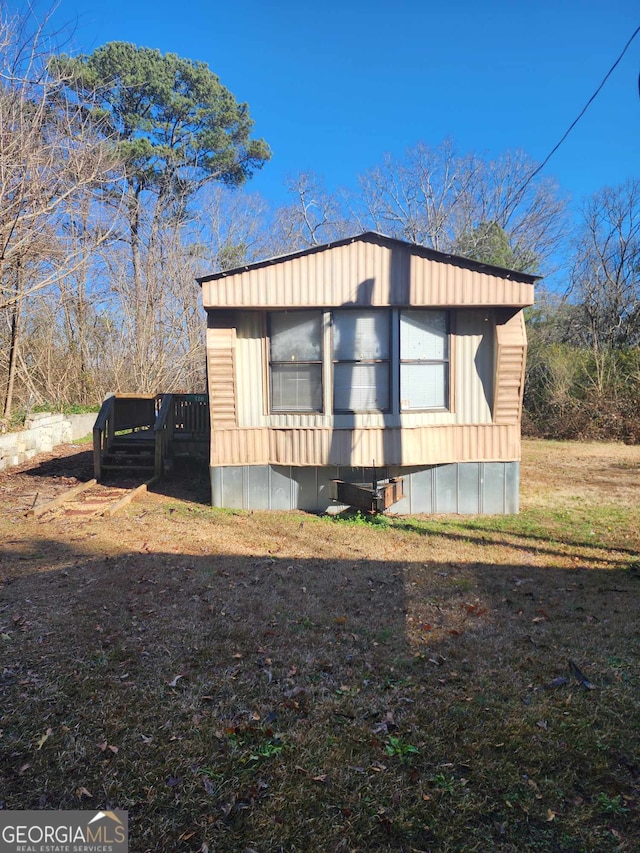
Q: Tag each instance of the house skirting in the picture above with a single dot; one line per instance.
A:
(468, 488)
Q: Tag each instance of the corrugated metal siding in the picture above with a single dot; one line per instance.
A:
(250, 368)
(467, 488)
(473, 365)
(421, 446)
(473, 355)
(363, 273)
(511, 351)
(221, 371)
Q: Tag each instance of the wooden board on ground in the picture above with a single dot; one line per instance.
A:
(60, 499)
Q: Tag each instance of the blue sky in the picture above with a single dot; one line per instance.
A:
(333, 86)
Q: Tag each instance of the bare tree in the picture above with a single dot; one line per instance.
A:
(48, 158)
(530, 212)
(231, 228)
(314, 217)
(415, 198)
(439, 198)
(605, 278)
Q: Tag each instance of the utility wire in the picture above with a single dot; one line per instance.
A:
(576, 120)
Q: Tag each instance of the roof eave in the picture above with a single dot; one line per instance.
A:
(424, 251)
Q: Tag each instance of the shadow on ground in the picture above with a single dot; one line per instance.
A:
(314, 704)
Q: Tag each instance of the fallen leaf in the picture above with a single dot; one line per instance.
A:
(533, 784)
(474, 609)
(550, 815)
(83, 792)
(44, 738)
(175, 680)
(113, 749)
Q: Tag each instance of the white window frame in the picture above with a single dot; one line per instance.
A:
(338, 362)
(444, 362)
(281, 409)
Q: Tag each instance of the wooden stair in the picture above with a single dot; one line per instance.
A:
(138, 433)
(130, 453)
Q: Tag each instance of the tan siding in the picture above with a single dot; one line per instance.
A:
(221, 372)
(472, 379)
(250, 371)
(511, 351)
(365, 273)
(473, 364)
(420, 446)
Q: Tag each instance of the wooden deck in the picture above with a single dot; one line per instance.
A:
(140, 433)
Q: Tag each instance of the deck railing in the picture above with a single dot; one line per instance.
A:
(103, 431)
(191, 415)
(163, 431)
(164, 416)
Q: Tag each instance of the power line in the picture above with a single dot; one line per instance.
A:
(577, 119)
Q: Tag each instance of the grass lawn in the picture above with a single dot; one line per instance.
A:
(283, 682)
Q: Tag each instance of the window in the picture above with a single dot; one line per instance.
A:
(424, 360)
(361, 360)
(296, 361)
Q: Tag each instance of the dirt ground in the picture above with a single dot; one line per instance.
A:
(174, 515)
(195, 666)
(553, 471)
(175, 518)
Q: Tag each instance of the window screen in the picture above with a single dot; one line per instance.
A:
(361, 360)
(296, 361)
(424, 360)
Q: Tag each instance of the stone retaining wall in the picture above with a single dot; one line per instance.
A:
(43, 431)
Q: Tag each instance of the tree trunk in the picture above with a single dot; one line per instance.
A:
(14, 341)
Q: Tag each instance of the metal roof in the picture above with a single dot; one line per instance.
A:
(375, 237)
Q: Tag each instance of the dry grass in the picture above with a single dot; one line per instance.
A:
(281, 682)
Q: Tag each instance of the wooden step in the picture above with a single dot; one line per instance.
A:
(122, 452)
(132, 445)
(127, 468)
